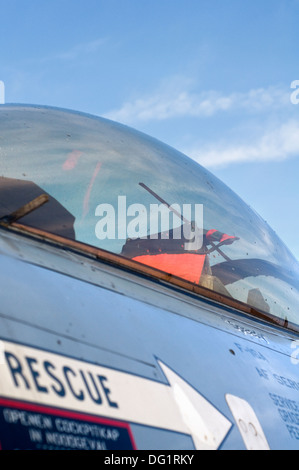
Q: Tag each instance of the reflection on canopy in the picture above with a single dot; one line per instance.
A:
(83, 162)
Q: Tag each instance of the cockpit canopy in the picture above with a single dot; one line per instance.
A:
(119, 190)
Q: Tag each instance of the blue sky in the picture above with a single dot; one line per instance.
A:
(212, 79)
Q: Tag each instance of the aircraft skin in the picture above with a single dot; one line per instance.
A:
(97, 355)
(137, 325)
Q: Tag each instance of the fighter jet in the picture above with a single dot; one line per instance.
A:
(144, 305)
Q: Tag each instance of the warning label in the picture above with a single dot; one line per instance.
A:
(33, 427)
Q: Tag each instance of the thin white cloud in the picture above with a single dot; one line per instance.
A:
(174, 101)
(74, 53)
(81, 49)
(277, 144)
